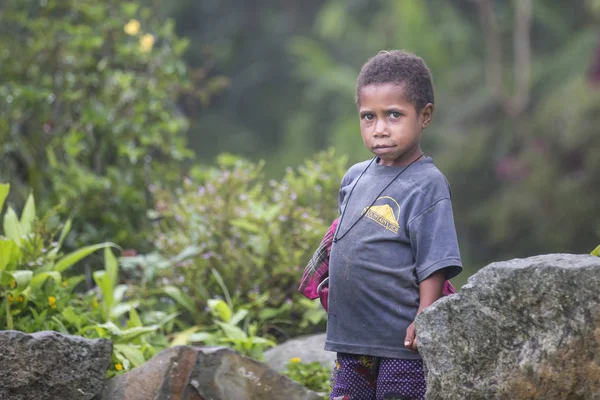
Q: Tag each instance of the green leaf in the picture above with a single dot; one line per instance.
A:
(111, 266)
(39, 279)
(221, 283)
(232, 332)
(4, 190)
(238, 316)
(125, 335)
(12, 227)
(21, 277)
(9, 253)
(181, 298)
(28, 215)
(596, 252)
(106, 289)
(201, 337)
(220, 309)
(123, 308)
(134, 319)
(133, 354)
(63, 235)
(71, 258)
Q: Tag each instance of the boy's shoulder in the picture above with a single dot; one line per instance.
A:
(355, 170)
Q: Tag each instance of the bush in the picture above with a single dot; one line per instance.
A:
(229, 233)
(312, 375)
(36, 293)
(87, 110)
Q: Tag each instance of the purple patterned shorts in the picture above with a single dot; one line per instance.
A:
(357, 377)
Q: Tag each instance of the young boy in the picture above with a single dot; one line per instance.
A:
(395, 243)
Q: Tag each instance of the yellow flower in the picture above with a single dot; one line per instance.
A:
(65, 284)
(147, 42)
(52, 301)
(119, 367)
(13, 284)
(20, 299)
(10, 298)
(95, 303)
(132, 27)
(295, 360)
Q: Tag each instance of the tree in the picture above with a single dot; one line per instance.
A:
(88, 113)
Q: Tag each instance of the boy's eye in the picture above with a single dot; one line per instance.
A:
(368, 117)
(395, 114)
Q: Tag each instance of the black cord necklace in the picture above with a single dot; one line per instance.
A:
(336, 238)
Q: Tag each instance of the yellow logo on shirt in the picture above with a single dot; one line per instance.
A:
(386, 212)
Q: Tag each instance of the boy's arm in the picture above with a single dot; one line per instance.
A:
(430, 290)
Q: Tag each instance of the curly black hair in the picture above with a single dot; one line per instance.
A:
(401, 68)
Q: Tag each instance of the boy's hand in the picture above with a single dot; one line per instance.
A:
(410, 341)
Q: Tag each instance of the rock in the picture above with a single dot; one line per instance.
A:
(187, 373)
(521, 329)
(53, 366)
(308, 348)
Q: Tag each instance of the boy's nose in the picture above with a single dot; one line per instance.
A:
(380, 129)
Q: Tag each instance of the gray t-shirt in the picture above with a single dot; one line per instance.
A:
(375, 269)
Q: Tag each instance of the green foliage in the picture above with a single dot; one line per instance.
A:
(230, 233)
(87, 110)
(312, 375)
(596, 252)
(37, 294)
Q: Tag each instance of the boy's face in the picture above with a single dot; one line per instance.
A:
(390, 125)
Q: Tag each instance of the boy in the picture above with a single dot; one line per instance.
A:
(395, 243)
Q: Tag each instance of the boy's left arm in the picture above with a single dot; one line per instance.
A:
(430, 290)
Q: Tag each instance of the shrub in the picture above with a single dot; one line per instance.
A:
(256, 235)
(87, 110)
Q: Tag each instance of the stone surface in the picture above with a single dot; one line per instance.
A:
(187, 373)
(308, 348)
(521, 329)
(52, 366)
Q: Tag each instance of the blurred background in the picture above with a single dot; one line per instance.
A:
(212, 135)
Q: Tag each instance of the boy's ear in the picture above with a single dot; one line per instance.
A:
(426, 115)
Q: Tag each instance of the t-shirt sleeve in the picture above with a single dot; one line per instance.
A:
(433, 241)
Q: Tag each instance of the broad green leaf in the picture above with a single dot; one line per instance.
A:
(181, 298)
(119, 293)
(220, 309)
(130, 334)
(12, 227)
(4, 190)
(71, 258)
(63, 235)
(238, 316)
(9, 253)
(201, 337)
(39, 279)
(111, 266)
(123, 308)
(221, 283)
(596, 252)
(107, 292)
(20, 277)
(133, 354)
(232, 332)
(125, 335)
(183, 338)
(28, 215)
(134, 319)
(189, 251)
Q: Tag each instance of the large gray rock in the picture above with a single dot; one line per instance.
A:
(52, 366)
(521, 329)
(187, 373)
(308, 348)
